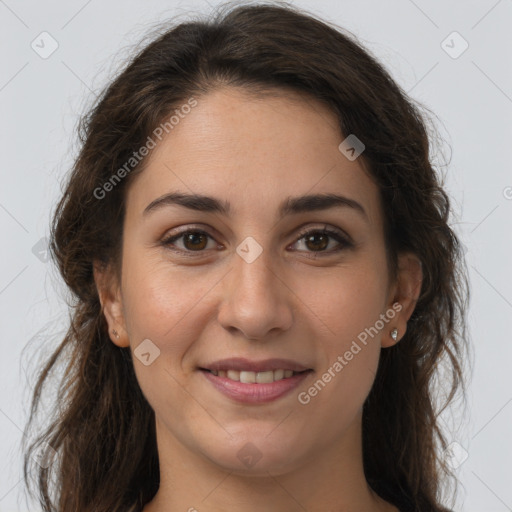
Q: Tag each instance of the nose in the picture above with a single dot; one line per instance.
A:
(256, 300)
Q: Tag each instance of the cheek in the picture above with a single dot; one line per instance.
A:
(347, 300)
(347, 307)
(162, 304)
(349, 343)
(158, 297)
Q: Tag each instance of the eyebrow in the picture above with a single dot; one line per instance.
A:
(290, 206)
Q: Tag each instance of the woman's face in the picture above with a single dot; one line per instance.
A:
(251, 285)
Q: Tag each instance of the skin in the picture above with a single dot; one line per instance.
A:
(293, 301)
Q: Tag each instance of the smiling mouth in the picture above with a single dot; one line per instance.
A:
(248, 377)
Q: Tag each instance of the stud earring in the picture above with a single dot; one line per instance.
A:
(394, 334)
(114, 332)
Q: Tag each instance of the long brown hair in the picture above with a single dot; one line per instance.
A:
(100, 444)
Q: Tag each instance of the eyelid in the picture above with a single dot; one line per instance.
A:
(327, 228)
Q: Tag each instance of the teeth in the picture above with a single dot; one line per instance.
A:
(233, 375)
(254, 377)
(247, 377)
(278, 374)
(264, 377)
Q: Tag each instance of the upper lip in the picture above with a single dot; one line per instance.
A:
(242, 364)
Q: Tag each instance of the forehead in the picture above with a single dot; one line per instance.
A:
(252, 151)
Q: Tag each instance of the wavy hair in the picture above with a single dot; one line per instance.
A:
(99, 442)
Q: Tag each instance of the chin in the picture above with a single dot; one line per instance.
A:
(258, 454)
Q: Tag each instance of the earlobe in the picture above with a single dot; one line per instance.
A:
(111, 304)
(406, 291)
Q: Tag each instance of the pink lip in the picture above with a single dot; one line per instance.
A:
(255, 393)
(241, 364)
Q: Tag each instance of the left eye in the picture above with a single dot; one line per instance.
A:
(316, 240)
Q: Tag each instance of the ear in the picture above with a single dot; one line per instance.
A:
(405, 291)
(109, 293)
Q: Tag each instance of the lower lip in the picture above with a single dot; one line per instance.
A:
(255, 393)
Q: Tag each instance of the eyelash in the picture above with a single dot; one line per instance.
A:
(341, 239)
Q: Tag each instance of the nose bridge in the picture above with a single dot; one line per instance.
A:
(257, 276)
(255, 301)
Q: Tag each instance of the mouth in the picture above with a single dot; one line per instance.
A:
(253, 382)
(248, 377)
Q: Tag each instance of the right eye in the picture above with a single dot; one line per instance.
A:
(193, 240)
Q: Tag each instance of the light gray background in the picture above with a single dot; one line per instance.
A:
(41, 100)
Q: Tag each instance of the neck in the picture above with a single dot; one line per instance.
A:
(331, 479)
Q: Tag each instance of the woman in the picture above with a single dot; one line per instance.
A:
(265, 282)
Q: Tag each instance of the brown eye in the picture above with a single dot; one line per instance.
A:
(195, 240)
(192, 240)
(318, 240)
